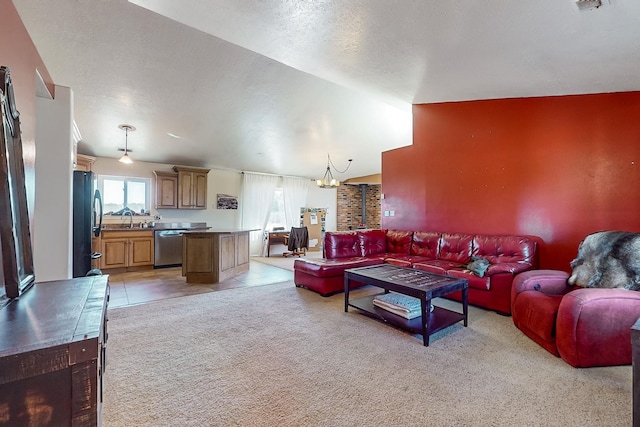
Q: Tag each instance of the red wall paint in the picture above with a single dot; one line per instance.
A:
(18, 52)
(555, 167)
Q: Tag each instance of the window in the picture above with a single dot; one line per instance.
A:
(276, 213)
(120, 192)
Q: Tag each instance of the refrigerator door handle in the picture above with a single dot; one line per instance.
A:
(97, 219)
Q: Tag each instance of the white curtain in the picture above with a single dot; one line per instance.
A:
(257, 197)
(294, 192)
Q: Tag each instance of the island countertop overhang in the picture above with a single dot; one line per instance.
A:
(221, 231)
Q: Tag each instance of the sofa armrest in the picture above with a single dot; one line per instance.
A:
(550, 282)
(593, 327)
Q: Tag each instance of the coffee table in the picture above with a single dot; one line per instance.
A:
(416, 283)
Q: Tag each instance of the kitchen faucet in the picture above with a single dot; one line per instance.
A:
(128, 212)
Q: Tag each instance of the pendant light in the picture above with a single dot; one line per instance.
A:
(125, 157)
(328, 181)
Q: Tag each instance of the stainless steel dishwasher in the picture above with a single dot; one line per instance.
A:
(168, 241)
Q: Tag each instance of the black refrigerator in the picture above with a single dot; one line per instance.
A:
(87, 221)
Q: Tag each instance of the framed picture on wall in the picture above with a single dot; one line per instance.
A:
(226, 201)
(15, 236)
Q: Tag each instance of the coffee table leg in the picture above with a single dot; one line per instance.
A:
(346, 293)
(465, 305)
(425, 305)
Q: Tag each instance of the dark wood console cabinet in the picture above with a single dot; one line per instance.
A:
(53, 353)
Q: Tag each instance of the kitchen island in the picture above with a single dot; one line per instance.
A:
(215, 255)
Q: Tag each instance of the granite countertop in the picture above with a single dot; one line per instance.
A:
(220, 231)
(117, 227)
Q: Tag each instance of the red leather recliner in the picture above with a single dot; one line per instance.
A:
(585, 326)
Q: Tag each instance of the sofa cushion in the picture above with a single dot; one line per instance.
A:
(372, 242)
(456, 248)
(399, 241)
(404, 260)
(341, 244)
(332, 267)
(505, 249)
(379, 257)
(425, 244)
(508, 267)
(475, 282)
(437, 266)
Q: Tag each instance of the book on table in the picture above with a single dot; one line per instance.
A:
(402, 305)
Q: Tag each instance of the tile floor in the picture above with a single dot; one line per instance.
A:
(151, 285)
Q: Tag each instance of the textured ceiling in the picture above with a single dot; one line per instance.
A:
(273, 86)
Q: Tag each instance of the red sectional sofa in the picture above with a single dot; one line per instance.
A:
(443, 253)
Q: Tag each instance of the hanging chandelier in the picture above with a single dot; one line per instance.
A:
(328, 181)
(125, 157)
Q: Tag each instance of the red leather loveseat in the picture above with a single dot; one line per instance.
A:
(442, 253)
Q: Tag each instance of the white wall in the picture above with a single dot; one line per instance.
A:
(220, 181)
(324, 198)
(52, 216)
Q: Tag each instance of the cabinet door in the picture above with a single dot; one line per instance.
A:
(140, 251)
(82, 167)
(192, 187)
(200, 190)
(114, 253)
(166, 191)
(185, 190)
(84, 163)
(242, 249)
(197, 255)
(227, 252)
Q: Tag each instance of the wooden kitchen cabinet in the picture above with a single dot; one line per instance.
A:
(192, 187)
(127, 249)
(166, 190)
(214, 256)
(84, 163)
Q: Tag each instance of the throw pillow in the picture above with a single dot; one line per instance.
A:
(478, 266)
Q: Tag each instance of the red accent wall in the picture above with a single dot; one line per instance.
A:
(555, 167)
(18, 52)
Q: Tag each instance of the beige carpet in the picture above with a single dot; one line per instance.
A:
(276, 355)
(284, 262)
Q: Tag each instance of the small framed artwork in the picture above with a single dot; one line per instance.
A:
(226, 201)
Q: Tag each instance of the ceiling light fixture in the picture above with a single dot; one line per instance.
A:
(328, 181)
(583, 5)
(125, 157)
